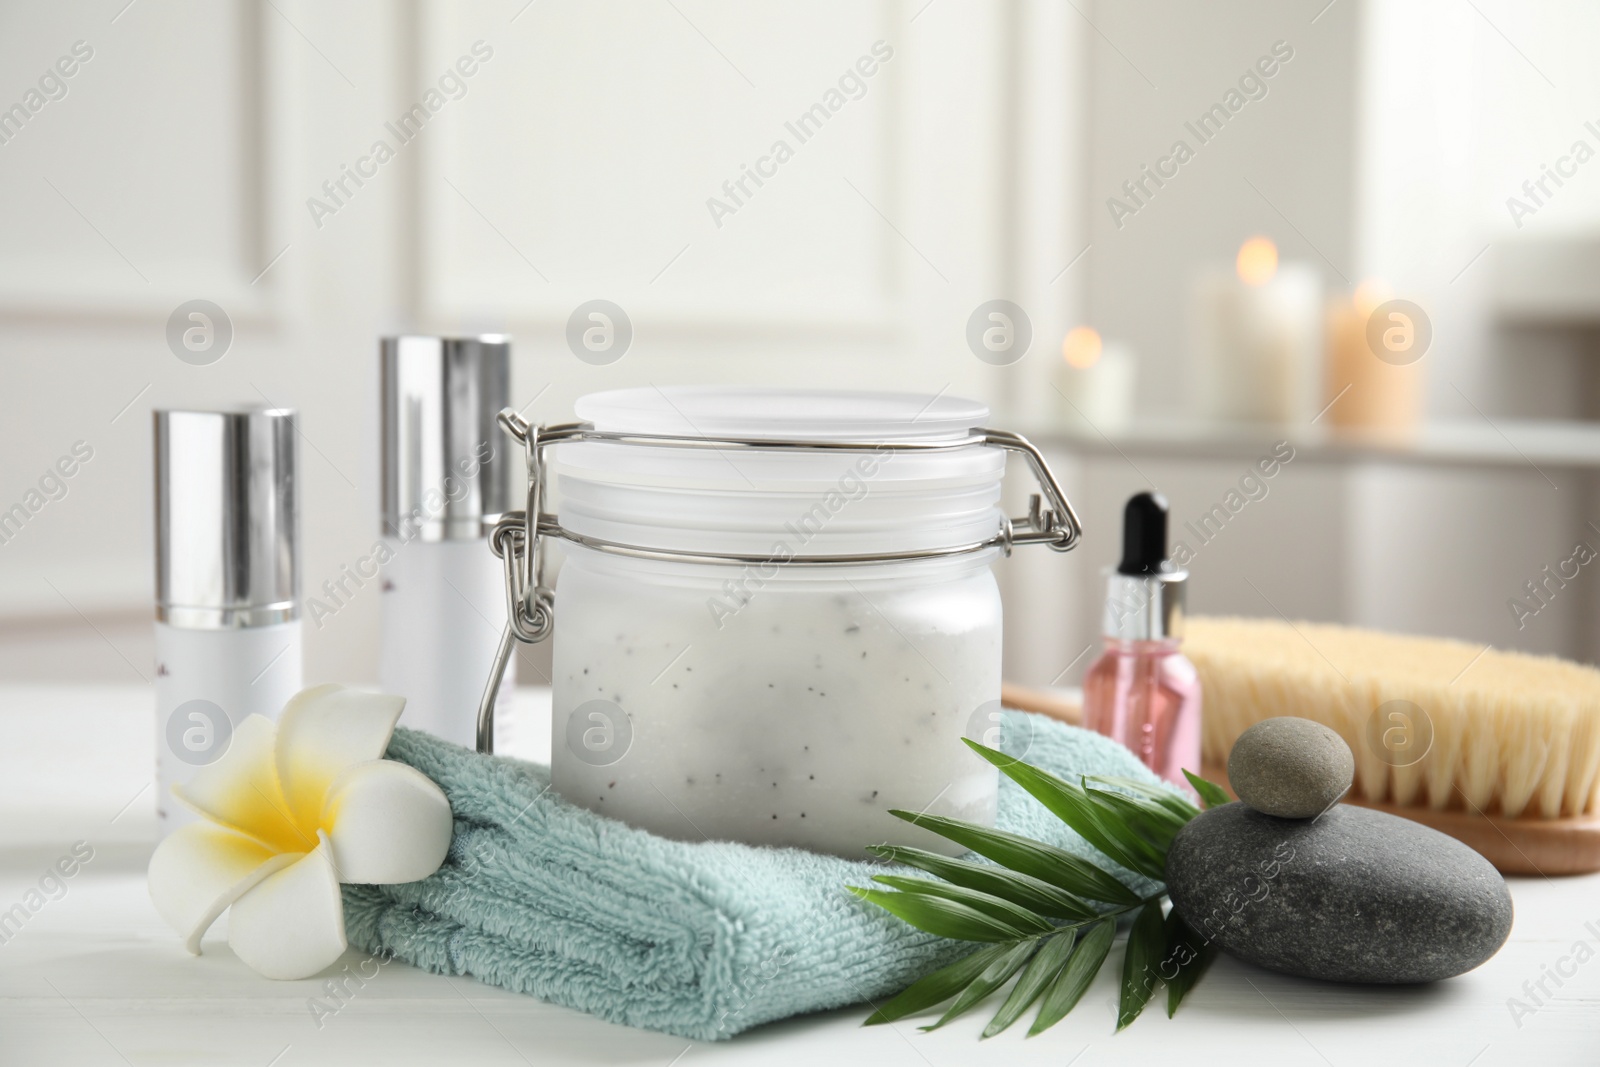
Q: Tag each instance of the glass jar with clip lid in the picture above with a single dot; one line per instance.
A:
(777, 617)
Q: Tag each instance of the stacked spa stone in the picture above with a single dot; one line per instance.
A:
(1290, 879)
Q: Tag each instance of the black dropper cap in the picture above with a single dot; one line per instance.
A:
(1144, 535)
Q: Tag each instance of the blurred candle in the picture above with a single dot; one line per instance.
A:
(1259, 338)
(1361, 389)
(1096, 381)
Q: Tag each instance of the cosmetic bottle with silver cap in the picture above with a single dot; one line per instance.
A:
(227, 584)
(1142, 690)
(446, 481)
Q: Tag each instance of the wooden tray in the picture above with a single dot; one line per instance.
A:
(1514, 846)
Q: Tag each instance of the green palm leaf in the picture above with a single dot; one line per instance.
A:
(1045, 862)
(1190, 954)
(1154, 824)
(1002, 911)
(936, 988)
(1039, 910)
(1073, 806)
(993, 977)
(1041, 969)
(1211, 794)
(1074, 977)
(1166, 798)
(937, 915)
(1141, 963)
(1023, 889)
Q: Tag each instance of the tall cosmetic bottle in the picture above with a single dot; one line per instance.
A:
(1142, 691)
(227, 584)
(446, 482)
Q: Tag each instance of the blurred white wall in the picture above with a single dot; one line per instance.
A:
(1385, 148)
(188, 158)
(185, 158)
(1461, 105)
(1283, 165)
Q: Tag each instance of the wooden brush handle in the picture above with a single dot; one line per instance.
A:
(1041, 701)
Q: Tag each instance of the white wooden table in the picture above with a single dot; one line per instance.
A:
(95, 977)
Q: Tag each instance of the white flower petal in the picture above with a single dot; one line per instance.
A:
(241, 790)
(292, 924)
(323, 732)
(387, 823)
(200, 869)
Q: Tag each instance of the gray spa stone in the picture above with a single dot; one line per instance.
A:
(1289, 767)
(1354, 896)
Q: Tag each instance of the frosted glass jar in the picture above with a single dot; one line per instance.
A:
(816, 708)
(774, 702)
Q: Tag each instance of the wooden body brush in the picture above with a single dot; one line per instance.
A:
(1498, 749)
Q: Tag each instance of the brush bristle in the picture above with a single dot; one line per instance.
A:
(1512, 734)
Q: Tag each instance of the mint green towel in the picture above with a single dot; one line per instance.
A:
(702, 939)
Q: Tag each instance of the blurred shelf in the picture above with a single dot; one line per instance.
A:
(1470, 443)
(105, 591)
(1548, 281)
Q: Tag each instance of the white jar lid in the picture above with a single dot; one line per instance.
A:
(769, 412)
(751, 501)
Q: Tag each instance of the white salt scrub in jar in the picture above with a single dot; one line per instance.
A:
(772, 701)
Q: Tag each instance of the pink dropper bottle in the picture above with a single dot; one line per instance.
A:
(1142, 691)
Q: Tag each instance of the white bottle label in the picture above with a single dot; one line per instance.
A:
(444, 607)
(207, 682)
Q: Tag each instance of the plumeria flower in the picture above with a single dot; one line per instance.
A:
(292, 809)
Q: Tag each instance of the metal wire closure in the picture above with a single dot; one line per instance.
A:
(518, 538)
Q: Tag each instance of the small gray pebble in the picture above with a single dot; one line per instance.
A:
(1289, 767)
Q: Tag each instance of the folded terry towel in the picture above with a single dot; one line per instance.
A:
(702, 939)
